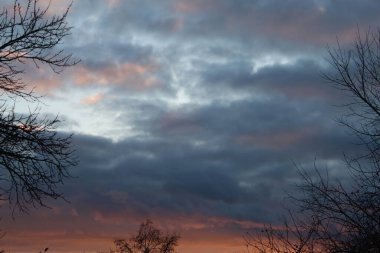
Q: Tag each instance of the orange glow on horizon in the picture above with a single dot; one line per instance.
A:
(79, 233)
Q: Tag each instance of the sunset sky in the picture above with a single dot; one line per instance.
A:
(192, 113)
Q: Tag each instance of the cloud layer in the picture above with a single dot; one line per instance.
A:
(192, 113)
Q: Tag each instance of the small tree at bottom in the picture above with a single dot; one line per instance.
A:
(148, 240)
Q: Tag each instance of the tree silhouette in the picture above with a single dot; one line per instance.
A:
(148, 240)
(332, 217)
(34, 157)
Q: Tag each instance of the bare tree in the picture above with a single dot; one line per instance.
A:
(358, 75)
(353, 211)
(341, 218)
(34, 157)
(148, 240)
(295, 235)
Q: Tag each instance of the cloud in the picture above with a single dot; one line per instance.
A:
(128, 75)
(113, 3)
(206, 171)
(56, 7)
(226, 186)
(279, 140)
(208, 103)
(203, 156)
(94, 99)
(315, 22)
(301, 79)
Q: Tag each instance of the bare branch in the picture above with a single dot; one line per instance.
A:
(331, 217)
(34, 158)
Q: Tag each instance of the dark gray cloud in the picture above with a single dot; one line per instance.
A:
(210, 155)
(302, 79)
(216, 160)
(312, 21)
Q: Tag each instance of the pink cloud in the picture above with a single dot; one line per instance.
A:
(186, 6)
(55, 7)
(189, 7)
(113, 3)
(46, 86)
(133, 75)
(94, 99)
(301, 91)
(178, 122)
(104, 219)
(276, 140)
(42, 80)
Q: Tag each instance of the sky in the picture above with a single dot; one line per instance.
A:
(192, 113)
